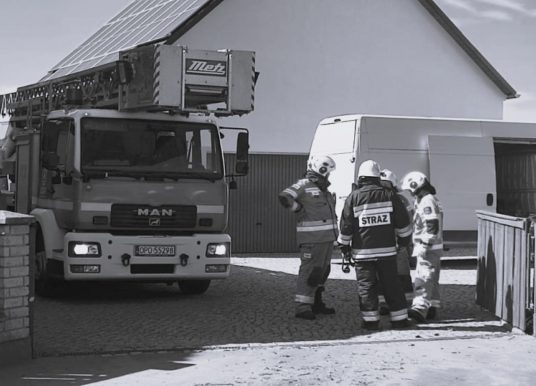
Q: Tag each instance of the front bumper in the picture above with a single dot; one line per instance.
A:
(118, 260)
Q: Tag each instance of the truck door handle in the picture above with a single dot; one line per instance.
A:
(489, 199)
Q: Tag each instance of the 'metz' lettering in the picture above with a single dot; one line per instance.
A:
(374, 220)
(155, 212)
(203, 67)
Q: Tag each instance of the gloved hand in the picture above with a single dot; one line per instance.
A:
(345, 249)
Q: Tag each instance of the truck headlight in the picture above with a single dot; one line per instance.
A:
(219, 250)
(84, 249)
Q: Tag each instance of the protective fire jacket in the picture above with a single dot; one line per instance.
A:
(428, 219)
(372, 220)
(315, 211)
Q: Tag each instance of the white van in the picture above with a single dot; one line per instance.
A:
(474, 164)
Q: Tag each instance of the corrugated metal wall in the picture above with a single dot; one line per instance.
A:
(516, 179)
(257, 222)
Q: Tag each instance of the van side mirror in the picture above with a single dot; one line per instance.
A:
(242, 154)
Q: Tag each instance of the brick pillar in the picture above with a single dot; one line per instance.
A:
(15, 304)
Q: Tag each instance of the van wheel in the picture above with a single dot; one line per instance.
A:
(194, 287)
(44, 285)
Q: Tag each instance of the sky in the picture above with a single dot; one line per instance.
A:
(37, 34)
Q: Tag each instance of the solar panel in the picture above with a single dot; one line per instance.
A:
(141, 22)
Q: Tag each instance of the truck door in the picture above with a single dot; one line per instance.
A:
(56, 184)
(462, 169)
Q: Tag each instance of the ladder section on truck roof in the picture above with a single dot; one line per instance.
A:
(146, 78)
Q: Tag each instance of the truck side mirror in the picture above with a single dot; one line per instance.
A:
(242, 154)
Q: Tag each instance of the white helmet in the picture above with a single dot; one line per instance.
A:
(413, 181)
(387, 175)
(369, 168)
(322, 165)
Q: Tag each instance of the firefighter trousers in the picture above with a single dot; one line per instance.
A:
(370, 274)
(314, 271)
(427, 281)
(404, 276)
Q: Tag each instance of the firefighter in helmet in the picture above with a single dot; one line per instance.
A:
(428, 244)
(390, 181)
(314, 206)
(373, 222)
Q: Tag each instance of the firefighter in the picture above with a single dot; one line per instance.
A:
(374, 221)
(317, 231)
(428, 244)
(390, 181)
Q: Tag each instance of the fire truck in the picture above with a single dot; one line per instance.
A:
(122, 166)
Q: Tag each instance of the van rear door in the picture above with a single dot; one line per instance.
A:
(339, 140)
(462, 169)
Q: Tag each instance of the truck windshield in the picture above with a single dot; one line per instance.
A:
(149, 148)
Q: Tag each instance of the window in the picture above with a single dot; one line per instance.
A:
(335, 138)
(150, 148)
(57, 144)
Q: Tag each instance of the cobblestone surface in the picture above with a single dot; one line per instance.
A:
(254, 305)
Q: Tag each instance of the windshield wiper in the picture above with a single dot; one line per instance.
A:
(111, 173)
(185, 175)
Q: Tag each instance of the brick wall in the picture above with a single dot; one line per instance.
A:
(15, 324)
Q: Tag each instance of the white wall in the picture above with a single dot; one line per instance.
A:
(321, 58)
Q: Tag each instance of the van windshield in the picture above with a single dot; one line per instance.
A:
(149, 148)
(334, 138)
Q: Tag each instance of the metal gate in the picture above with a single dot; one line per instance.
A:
(505, 281)
(257, 222)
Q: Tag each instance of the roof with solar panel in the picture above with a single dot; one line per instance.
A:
(140, 23)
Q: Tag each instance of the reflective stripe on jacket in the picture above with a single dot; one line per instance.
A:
(372, 219)
(428, 223)
(315, 212)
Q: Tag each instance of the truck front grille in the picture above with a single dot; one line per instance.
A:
(153, 217)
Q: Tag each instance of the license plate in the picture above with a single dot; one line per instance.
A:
(154, 250)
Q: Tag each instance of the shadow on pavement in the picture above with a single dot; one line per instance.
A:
(77, 370)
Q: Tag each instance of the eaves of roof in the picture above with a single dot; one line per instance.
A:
(429, 5)
(469, 48)
(191, 21)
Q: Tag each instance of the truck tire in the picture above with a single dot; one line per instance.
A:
(45, 286)
(194, 287)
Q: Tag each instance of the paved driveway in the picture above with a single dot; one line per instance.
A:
(253, 306)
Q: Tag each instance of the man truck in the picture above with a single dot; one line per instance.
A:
(122, 166)
(474, 164)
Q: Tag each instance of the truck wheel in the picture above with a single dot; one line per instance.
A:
(194, 287)
(44, 285)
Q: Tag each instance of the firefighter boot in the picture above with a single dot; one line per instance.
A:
(401, 324)
(307, 314)
(319, 307)
(371, 326)
(416, 315)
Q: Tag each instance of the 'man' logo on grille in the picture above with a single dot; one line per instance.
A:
(155, 212)
(206, 67)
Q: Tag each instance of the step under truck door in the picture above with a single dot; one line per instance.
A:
(462, 169)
